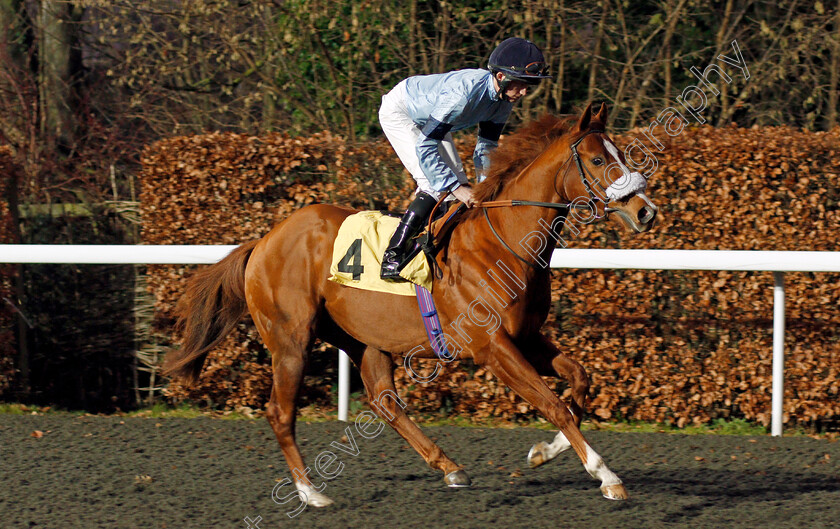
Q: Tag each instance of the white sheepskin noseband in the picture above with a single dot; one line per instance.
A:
(629, 183)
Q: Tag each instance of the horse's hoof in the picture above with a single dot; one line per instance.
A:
(318, 500)
(310, 496)
(615, 492)
(538, 455)
(458, 478)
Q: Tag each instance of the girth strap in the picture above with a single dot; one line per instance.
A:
(431, 321)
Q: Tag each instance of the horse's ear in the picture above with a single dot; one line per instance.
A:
(583, 122)
(602, 114)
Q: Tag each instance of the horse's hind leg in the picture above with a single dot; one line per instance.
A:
(288, 360)
(377, 371)
(548, 360)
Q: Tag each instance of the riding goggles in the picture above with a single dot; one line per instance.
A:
(536, 69)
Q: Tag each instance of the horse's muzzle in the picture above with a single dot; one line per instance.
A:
(635, 216)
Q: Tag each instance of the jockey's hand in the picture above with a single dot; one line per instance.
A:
(464, 193)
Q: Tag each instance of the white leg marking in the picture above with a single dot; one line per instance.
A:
(556, 447)
(598, 469)
(543, 452)
(310, 496)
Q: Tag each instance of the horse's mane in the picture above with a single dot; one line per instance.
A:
(518, 150)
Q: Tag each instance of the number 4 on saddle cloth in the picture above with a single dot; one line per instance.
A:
(357, 258)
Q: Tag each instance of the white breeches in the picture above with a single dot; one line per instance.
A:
(403, 134)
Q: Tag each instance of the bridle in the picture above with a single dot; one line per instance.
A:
(583, 171)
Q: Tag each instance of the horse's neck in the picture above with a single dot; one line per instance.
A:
(524, 226)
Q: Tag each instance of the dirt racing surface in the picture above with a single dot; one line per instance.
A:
(88, 472)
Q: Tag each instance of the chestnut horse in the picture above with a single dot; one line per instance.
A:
(493, 296)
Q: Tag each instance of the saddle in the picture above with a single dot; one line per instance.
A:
(362, 239)
(436, 235)
(357, 256)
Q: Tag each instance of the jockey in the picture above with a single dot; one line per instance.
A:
(419, 114)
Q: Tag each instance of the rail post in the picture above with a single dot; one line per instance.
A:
(778, 353)
(343, 385)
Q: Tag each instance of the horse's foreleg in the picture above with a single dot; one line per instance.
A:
(377, 371)
(506, 361)
(549, 360)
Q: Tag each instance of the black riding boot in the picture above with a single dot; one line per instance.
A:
(410, 224)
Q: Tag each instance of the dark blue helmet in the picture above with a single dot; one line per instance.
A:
(519, 60)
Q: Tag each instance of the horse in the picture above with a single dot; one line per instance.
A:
(492, 295)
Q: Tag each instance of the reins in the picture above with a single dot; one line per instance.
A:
(582, 171)
(509, 203)
(508, 248)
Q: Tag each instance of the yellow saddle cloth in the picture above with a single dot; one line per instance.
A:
(357, 256)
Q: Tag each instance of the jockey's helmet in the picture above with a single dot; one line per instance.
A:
(519, 60)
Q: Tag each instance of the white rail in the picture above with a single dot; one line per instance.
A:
(776, 262)
(734, 260)
(113, 253)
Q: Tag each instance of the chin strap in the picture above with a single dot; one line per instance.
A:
(503, 84)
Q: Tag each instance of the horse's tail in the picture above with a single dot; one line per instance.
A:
(212, 305)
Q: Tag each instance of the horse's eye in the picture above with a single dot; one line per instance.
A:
(597, 161)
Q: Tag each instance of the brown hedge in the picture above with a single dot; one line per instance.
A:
(229, 188)
(676, 347)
